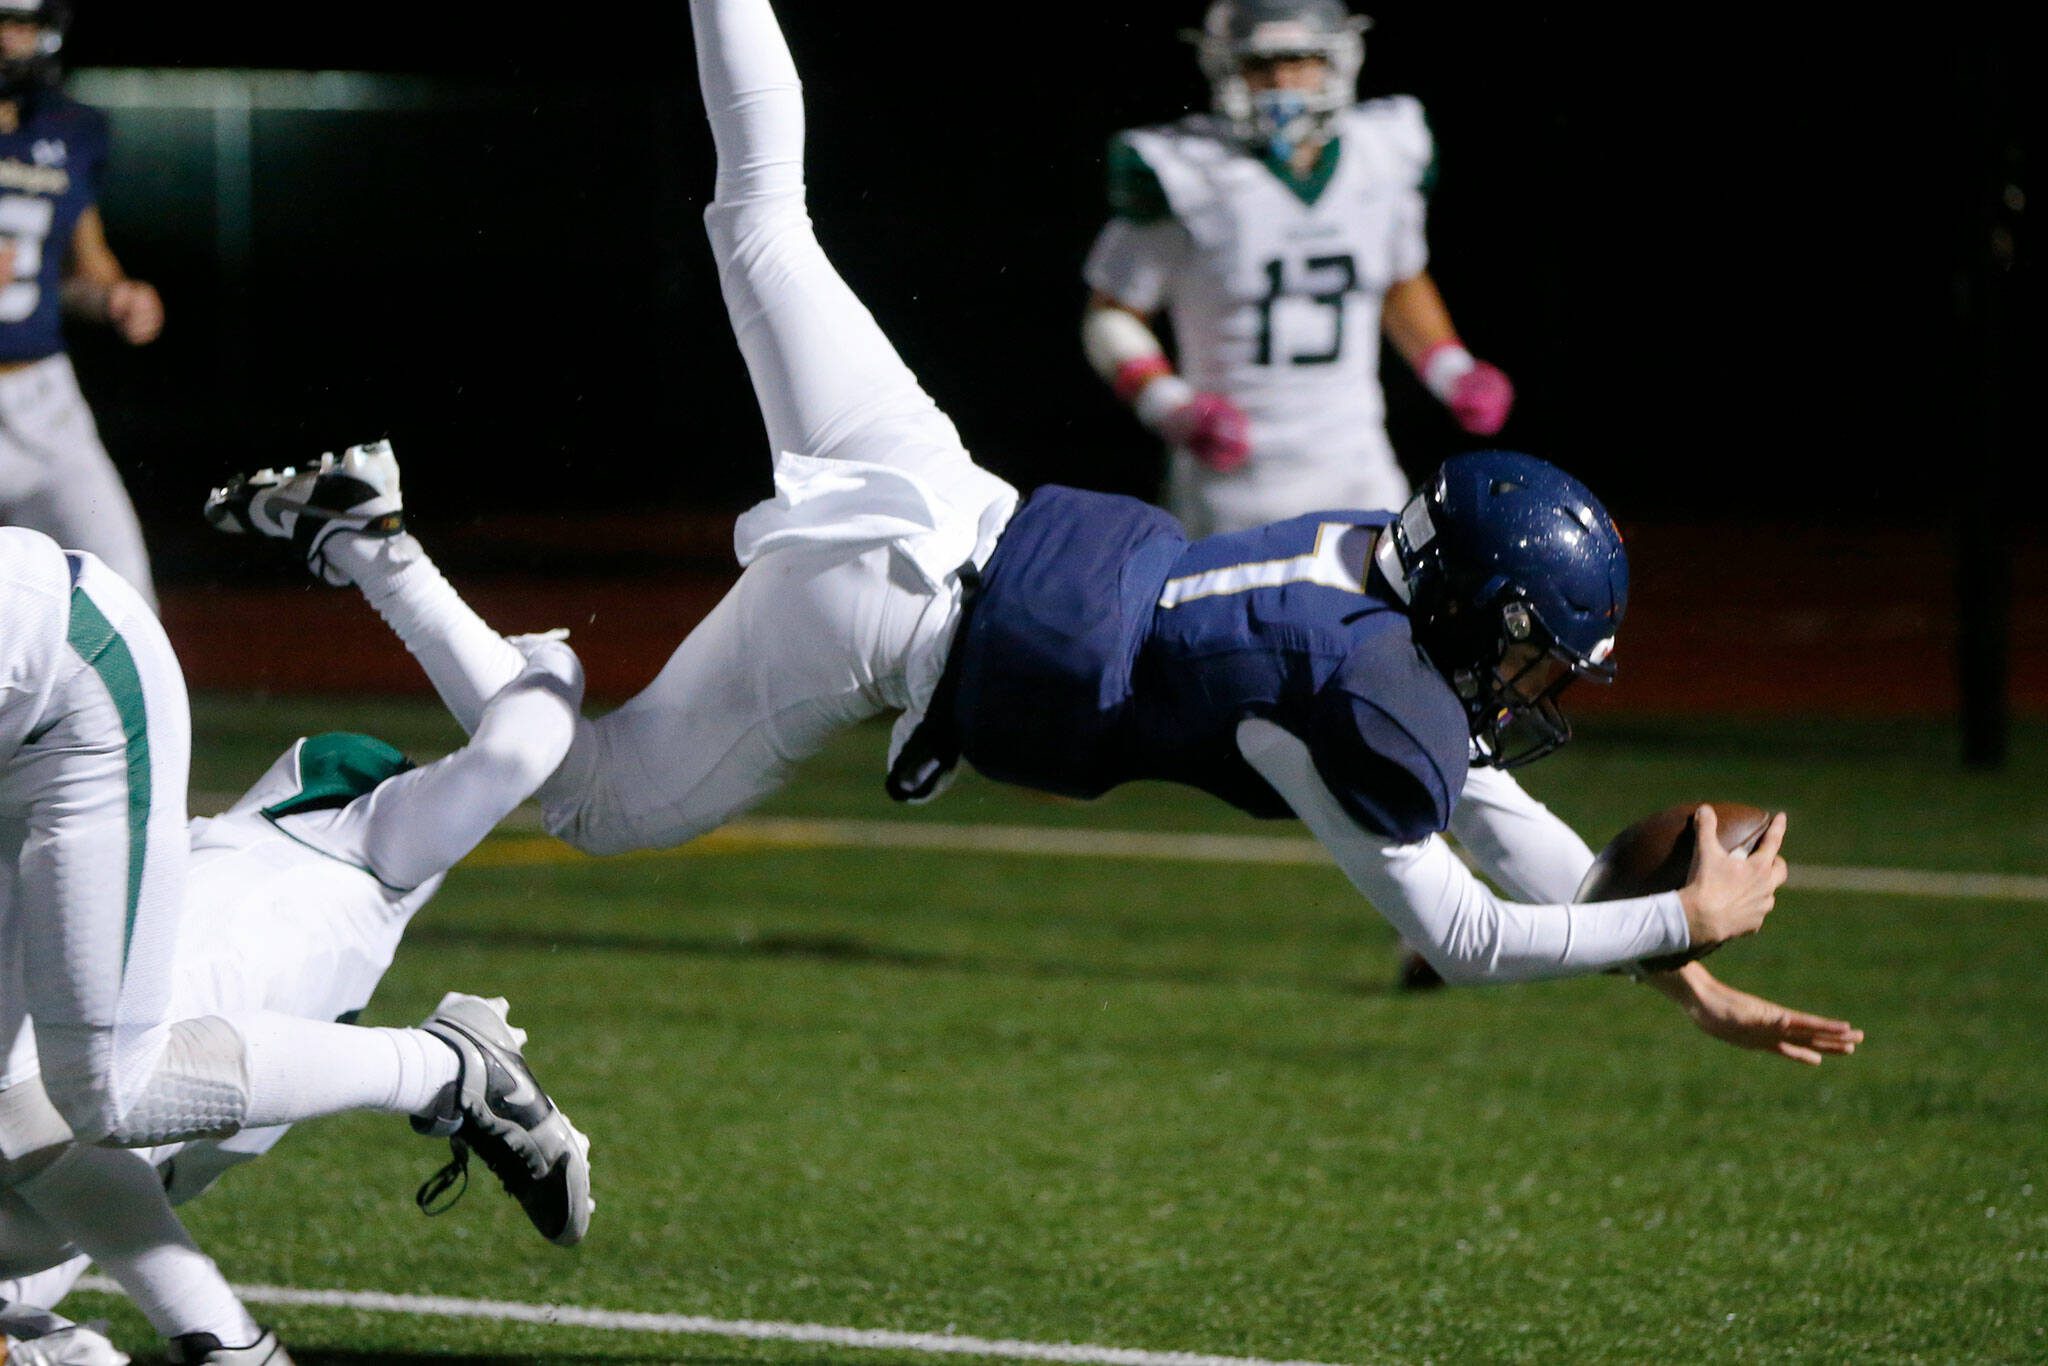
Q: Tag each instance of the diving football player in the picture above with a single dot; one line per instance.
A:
(1369, 673)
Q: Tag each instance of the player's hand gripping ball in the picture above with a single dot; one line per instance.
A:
(1655, 855)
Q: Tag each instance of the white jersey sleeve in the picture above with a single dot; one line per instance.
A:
(1144, 247)
(1516, 840)
(1466, 932)
(1395, 134)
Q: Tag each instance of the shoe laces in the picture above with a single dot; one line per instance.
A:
(434, 1195)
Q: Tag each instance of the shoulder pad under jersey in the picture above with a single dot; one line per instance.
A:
(1390, 738)
(1397, 124)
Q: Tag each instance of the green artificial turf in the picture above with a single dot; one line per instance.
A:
(1173, 1106)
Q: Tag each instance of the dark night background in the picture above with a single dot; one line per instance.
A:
(1722, 257)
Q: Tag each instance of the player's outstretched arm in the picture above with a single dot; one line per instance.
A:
(1517, 841)
(1466, 932)
(1735, 1017)
(422, 823)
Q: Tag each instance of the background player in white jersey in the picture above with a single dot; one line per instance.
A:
(54, 259)
(296, 900)
(1282, 234)
(854, 603)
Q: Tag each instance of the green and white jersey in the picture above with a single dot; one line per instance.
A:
(283, 908)
(1274, 281)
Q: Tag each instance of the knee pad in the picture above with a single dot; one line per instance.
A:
(199, 1088)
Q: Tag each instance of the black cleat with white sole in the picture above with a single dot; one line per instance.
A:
(356, 492)
(498, 1111)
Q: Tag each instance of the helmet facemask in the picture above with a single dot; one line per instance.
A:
(1277, 122)
(1510, 692)
(1490, 642)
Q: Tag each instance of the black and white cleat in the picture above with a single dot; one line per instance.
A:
(356, 492)
(497, 1110)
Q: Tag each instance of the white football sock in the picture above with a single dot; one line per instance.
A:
(466, 660)
(111, 1204)
(302, 1069)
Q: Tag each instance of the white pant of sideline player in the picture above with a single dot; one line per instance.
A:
(56, 476)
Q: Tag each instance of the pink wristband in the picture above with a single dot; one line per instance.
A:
(1133, 375)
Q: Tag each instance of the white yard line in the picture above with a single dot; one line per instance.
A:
(622, 1321)
(1149, 846)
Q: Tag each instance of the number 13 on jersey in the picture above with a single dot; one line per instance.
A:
(1314, 336)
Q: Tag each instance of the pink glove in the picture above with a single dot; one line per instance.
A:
(1478, 395)
(1481, 399)
(1212, 429)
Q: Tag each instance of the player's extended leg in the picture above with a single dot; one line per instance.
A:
(110, 1204)
(828, 381)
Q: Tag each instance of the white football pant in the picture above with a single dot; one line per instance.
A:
(55, 475)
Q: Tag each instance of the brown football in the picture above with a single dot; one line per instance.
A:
(1655, 855)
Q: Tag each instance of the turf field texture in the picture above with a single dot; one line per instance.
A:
(1173, 1106)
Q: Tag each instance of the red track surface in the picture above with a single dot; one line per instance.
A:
(1729, 621)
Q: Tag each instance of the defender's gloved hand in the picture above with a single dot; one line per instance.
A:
(1479, 395)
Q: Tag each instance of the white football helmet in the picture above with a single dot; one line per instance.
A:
(1241, 31)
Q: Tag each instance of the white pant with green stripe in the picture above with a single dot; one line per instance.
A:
(92, 831)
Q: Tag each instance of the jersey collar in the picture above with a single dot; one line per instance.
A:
(1309, 188)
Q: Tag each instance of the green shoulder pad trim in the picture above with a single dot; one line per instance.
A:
(1135, 193)
(336, 768)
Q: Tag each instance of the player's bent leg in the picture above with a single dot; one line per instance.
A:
(346, 518)
(101, 868)
(808, 642)
(499, 1112)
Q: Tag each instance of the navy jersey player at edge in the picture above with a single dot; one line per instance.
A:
(55, 475)
(1344, 668)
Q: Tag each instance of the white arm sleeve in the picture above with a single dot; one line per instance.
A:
(1466, 932)
(1517, 841)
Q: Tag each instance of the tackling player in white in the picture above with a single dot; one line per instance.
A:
(296, 899)
(1282, 234)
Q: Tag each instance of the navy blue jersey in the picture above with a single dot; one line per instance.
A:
(49, 175)
(1105, 648)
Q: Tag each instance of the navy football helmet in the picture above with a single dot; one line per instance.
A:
(1516, 582)
(21, 77)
